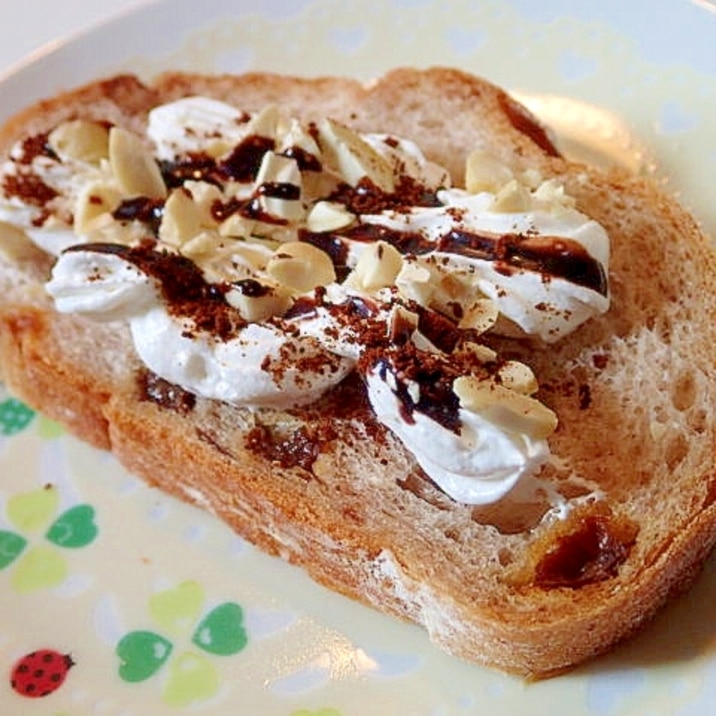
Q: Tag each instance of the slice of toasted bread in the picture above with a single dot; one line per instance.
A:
(328, 487)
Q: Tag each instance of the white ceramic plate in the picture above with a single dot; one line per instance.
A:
(96, 566)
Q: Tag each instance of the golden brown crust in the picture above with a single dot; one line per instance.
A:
(44, 376)
(122, 99)
(634, 390)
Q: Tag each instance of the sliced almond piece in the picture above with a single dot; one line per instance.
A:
(504, 407)
(513, 197)
(480, 316)
(81, 140)
(297, 138)
(182, 218)
(257, 300)
(237, 226)
(301, 267)
(552, 193)
(378, 266)
(484, 172)
(328, 216)
(205, 195)
(483, 353)
(278, 184)
(94, 202)
(267, 122)
(518, 377)
(416, 282)
(354, 158)
(133, 166)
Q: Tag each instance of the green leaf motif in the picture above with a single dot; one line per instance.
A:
(73, 528)
(11, 545)
(221, 631)
(192, 678)
(49, 429)
(142, 654)
(32, 511)
(15, 416)
(41, 567)
(176, 610)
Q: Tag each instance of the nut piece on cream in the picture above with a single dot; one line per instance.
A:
(258, 301)
(279, 188)
(135, 169)
(81, 140)
(182, 218)
(377, 267)
(94, 204)
(328, 216)
(352, 157)
(300, 267)
(512, 410)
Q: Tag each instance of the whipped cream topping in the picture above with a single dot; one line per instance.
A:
(231, 370)
(478, 464)
(258, 261)
(461, 231)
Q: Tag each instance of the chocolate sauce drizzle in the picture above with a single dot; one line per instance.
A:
(435, 396)
(550, 256)
(183, 286)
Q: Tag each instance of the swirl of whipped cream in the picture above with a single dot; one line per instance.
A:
(477, 464)
(261, 366)
(538, 302)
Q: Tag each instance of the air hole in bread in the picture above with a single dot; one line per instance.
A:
(430, 124)
(683, 392)
(698, 420)
(505, 556)
(511, 516)
(453, 533)
(420, 485)
(677, 448)
(353, 516)
(571, 490)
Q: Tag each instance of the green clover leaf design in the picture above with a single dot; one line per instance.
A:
(74, 528)
(11, 545)
(42, 565)
(15, 416)
(142, 654)
(191, 676)
(221, 631)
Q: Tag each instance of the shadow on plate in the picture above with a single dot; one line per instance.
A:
(682, 632)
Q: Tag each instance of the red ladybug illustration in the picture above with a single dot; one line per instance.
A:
(40, 672)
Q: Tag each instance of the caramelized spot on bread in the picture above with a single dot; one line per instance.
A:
(299, 448)
(593, 552)
(165, 394)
